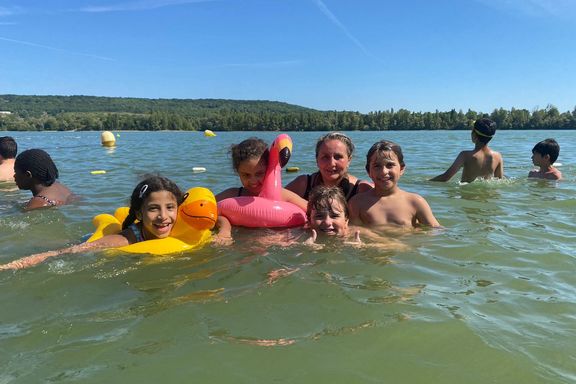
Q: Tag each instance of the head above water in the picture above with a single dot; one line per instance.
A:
(548, 147)
(152, 183)
(336, 136)
(252, 148)
(381, 148)
(8, 148)
(322, 198)
(484, 129)
(39, 164)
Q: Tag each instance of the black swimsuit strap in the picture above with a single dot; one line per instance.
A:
(240, 191)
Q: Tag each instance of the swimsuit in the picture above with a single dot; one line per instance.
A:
(137, 232)
(50, 203)
(349, 191)
(240, 191)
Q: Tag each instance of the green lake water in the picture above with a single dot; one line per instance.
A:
(490, 298)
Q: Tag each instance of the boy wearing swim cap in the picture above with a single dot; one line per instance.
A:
(544, 154)
(479, 162)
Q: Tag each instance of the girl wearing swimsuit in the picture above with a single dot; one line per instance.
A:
(35, 171)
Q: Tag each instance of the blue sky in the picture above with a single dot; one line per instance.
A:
(358, 55)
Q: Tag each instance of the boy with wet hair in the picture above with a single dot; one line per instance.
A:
(8, 150)
(479, 162)
(544, 154)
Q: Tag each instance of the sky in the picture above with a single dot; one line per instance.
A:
(352, 55)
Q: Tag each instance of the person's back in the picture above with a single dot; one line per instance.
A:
(481, 162)
(8, 150)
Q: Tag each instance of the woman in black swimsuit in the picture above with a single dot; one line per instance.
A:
(35, 171)
(333, 156)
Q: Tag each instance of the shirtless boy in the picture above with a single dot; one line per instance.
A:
(8, 150)
(480, 162)
(386, 204)
(544, 154)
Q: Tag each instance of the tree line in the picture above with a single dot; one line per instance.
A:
(65, 113)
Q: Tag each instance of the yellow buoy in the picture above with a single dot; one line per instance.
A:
(209, 133)
(99, 172)
(292, 169)
(108, 139)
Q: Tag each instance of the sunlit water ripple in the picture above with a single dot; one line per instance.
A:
(489, 298)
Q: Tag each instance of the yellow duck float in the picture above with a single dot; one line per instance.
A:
(196, 217)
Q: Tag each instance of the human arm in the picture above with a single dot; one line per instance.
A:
(354, 211)
(499, 171)
(230, 192)
(298, 185)
(295, 199)
(224, 232)
(110, 241)
(452, 170)
(424, 215)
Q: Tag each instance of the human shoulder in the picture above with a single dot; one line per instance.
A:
(298, 185)
(227, 193)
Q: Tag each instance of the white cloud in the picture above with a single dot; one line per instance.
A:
(30, 44)
(141, 5)
(324, 9)
(535, 8)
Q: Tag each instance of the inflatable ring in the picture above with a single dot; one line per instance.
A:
(267, 209)
(196, 217)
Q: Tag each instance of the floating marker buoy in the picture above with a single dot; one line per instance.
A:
(108, 139)
(99, 172)
(198, 169)
(557, 164)
(292, 169)
(209, 133)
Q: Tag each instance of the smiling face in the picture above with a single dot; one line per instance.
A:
(251, 172)
(385, 170)
(158, 214)
(333, 161)
(329, 220)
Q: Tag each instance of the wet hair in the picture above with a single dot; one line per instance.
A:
(484, 130)
(152, 183)
(39, 164)
(248, 149)
(548, 147)
(323, 197)
(8, 147)
(336, 136)
(384, 146)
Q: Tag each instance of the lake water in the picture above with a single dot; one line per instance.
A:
(489, 299)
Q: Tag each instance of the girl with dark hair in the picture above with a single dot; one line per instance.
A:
(154, 203)
(35, 171)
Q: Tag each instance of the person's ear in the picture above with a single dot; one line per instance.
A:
(28, 174)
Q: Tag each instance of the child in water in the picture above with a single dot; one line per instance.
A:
(544, 154)
(154, 203)
(387, 204)
(35, 171)
(250, 160)
(8, 150)
(479, 162)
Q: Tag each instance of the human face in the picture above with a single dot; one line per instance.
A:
(385, 170)
(158, 214)
(251, 173)
(537, 159)
(330, 221)
(22, 179)
(333, 161)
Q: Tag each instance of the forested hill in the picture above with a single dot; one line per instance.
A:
(53, 105)
(115, 113)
